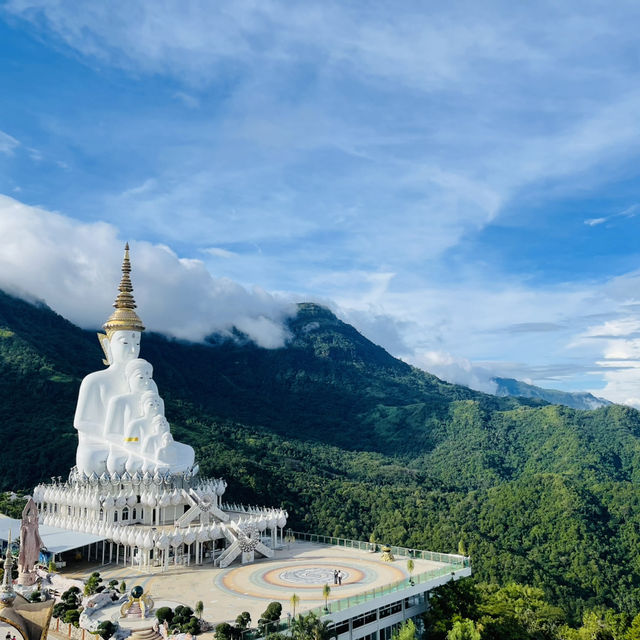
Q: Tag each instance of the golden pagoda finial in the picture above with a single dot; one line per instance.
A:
(124, 318)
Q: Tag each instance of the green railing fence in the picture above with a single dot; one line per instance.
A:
(448, 558)
(452, 563)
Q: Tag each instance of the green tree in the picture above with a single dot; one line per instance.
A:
(164, 613)
(407, 631)
(106, 629)
(123, 587)
(71, 598)
(243, 620)
(72, 616)
(223, 631)
(410, 567)
(199, 608)
(93, 584)
(463, 630)
(269, 617)
(522, 607)
(326, 590)
(633, 633)
(459, 598)
(294, 600)
(309, 627)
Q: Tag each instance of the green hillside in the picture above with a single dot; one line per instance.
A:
(353, 441)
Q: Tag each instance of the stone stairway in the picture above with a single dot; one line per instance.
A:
(145, 634)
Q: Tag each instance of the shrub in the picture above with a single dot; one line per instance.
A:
(164, 613)
(106, 629)
(72, 616)
(223, 631)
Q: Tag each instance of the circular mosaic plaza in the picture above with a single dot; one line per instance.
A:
(276, 580)
(314, 576)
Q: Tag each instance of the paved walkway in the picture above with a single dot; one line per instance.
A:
(303, 568)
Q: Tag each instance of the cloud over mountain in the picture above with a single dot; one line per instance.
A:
(74, 267)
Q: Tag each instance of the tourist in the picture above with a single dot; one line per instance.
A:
(340, 575)
(335, 578)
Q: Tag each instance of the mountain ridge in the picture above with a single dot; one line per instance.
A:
(574, 399)
(353, 442)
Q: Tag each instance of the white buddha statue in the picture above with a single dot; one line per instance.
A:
(110, 400)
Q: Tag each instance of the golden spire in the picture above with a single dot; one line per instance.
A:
(7, 594)
(124, 318)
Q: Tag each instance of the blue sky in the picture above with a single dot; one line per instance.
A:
(460, 182)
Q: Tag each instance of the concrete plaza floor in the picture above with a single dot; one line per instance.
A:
(301, 568)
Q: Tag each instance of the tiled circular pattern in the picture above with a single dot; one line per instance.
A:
(278, 582)
(308, 576)
(311, 576)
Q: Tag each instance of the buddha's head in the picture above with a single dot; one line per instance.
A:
(139, 374)
(151, 404)
(123, 346)
(123, 328)
(167, 439)
(160, 425)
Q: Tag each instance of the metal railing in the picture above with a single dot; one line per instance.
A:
(334, 606)
(452, 563)
(447, 558)
(401, 585)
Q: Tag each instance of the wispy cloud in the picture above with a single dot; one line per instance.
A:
(7, 143)
(629, 212)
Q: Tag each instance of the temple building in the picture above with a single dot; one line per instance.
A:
(136, 489)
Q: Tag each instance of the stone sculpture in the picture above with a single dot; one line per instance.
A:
(114, 415)
(30, 545)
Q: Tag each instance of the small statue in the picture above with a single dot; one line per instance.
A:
(30, 545)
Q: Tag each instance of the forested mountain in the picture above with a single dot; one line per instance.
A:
(353, 441)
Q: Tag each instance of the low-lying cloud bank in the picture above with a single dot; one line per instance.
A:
(74, 267)
(572, 338)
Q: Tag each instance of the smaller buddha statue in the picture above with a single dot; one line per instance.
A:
(142, 435)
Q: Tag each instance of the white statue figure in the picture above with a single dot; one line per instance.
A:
(109, 400)
(140, 430)
(159, 450)
(125, 407)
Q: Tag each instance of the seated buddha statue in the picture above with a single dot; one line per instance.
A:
(111, 413)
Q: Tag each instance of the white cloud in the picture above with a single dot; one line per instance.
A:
(629, 212)
(457, 370)
(218, 252)
(74, 268)
(7, 143)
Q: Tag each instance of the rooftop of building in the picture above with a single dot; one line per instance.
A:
(302, 567)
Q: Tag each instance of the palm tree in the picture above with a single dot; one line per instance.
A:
(326, 590)
(309, 627)
(410, 567)
(294, 601)
(199, 608)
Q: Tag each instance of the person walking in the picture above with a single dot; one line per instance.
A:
(340, 574)
(335, 577)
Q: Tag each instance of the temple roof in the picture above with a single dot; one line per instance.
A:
(55, 539)
(31, 619)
